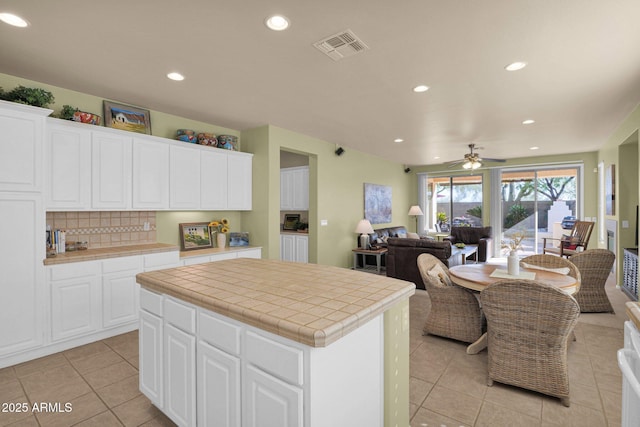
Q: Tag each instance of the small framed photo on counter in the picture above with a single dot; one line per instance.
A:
(238, 239)
(195, 235)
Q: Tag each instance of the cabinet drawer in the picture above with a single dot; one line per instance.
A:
(219, 333)
(196, 260)
(180, 315)
(163, 260)
(121, 264)
(222, 257)
(278, 359)
(74, 270)
(151, 302)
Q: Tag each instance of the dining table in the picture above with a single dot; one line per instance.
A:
(476, 277)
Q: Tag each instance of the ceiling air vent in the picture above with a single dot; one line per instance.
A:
(341, 45)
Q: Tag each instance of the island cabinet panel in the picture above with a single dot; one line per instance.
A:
(150, 353)
(180, 375)
(150, 177)
(218, 383)
(268, 398)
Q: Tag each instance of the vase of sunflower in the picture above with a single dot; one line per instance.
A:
(220, 228)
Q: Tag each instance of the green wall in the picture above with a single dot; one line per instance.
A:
(336, 192)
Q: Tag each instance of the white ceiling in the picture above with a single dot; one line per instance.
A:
(582, 78)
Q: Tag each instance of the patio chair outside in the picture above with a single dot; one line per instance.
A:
(578, 237)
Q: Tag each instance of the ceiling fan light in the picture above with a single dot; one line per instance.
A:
(467, 165)
(475, 165)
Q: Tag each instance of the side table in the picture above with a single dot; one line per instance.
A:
(378, 253)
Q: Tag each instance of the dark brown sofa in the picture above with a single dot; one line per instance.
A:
(480, 236)
(402, 257)
(379, 239)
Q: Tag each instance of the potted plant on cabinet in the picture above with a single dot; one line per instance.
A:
(30, 96)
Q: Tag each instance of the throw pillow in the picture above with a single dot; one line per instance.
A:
(438, 273)
(402, 235)
(411, 235)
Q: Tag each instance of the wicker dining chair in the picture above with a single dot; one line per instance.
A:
(595, 266)
(455, 312)
(528, 326)
(553, 262)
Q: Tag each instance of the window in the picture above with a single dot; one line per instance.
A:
(453, 201)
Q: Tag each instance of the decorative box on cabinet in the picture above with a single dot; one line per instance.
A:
(630, 273)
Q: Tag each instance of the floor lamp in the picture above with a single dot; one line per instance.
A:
(364, 228)
(416, 212)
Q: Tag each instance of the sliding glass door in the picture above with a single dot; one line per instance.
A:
(534, 203)
(454, 201)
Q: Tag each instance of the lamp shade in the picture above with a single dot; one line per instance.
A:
(415, 211)
(364, 227)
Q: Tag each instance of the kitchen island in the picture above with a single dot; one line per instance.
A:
(256, 342)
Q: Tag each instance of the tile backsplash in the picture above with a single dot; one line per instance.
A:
(107, 228)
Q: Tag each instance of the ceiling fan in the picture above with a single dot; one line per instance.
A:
(472, 160)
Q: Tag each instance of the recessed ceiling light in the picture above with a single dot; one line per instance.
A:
(436, 157)
(515, 66)
(528, 122)
(11, 19)
(534, 148)
(398, 140)
(277, 22)
(175, 76)
(421, 88)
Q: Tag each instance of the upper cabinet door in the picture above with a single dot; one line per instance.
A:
(21, 147)
(239, 173)
(213, 173)
(150, 174)
(184, 173)
(68, 167)
(111, 171)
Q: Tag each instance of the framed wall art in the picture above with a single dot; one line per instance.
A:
(195, 235)
(377, 203)
(290, 221)
(126, 117)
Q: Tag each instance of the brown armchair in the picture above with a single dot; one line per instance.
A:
(568, 245)
(480, 236)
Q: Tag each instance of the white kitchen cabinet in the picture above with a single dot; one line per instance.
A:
(214, 180)
(294, 189)
(75, 299)
(150, 174)
(218, 385)
(160, 261)
(21, 136)
(150, 355)
(221, 256)
(120, 291)
(184, 173)
(294, 247)
(21, 255)
(271, 402)
(68, 166)
(110, 170)
(180, 369)
(239, 184)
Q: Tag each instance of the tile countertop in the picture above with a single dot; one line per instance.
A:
(112, 252)
(633, 311)
(309, 303)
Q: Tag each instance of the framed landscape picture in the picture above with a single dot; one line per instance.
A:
(238, 239)
(195, 235)
(290, 221)
(126, 117)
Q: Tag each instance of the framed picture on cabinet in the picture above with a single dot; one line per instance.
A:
(195, 235)
(126, 117)
(290, 221)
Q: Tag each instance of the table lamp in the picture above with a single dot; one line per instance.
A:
(364, 228)
(415, 211)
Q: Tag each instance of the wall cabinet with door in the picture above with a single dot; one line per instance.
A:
(294, 189)
(102, 169)
(294, 247)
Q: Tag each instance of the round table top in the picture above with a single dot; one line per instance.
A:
(478, 276)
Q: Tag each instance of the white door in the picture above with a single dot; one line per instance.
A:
(218, 387)
(150, 174)
(68, 165)
(239, 172)
(75, 307)
(21, 136)
(150, 349)
(119, 299)
(302, 249)
(287, 247)
(110, 171)
(184, 176)
(213, 172)
(22, 272)
(179, 376)
(269, 402)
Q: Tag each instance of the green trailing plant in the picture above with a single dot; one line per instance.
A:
(516, 214)
(29, 96)
(67, 112)
(475, 211)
